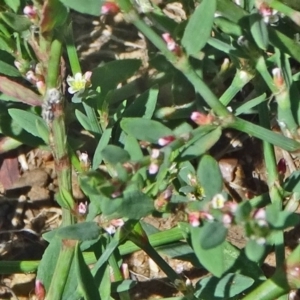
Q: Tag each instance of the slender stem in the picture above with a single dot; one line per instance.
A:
(54, 63)
(61, 273)
(156, 240)
(273, 183)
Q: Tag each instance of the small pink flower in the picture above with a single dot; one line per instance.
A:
(39, 290)
(109, 8)
(227, 220)
(82, 208)
(166, 140)
(201, 118)
(31, 77)
(117, 222)
(194, 218)
(171, 44)
(155, 153)
(41, 86)
(277, 77)
(153, 168)
(260, 214)
(206, 215)
(30, 11)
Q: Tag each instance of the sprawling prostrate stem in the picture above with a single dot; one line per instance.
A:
(273, 182)
(156, 239)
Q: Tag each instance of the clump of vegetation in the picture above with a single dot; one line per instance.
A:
(150, 157)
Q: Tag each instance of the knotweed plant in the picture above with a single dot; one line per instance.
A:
(152, 158)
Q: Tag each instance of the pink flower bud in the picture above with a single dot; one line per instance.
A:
(41, 86)
(277, 77)
(82, 208)
(166, 140)
(153, 168)
(194, 218)
(227, 220)
(260, 214)
(265, 10)
(117, 223)
(39, 290)
(171, 44)
(30, 11)
(155, 153)
(31, 77)
(109, 8)
(281, 166)
(201, 119)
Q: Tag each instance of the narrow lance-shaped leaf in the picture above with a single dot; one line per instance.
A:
(19, 92)
(198, 29)
(259, 31)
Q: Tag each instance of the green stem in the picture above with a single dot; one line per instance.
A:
(156, 240)
(61, 273)
(240, 79)
(273, 182)
(71, 50)
(54, 63)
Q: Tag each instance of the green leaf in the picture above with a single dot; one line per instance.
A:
(18, 91)
(254, 251)
(54, 14)
(90, 7)
(136, 205)
(65, 198)
(212, 259)
(292, 183)
(198, 29)
(16, 22)
(8, 70)
(13, 4)
(209, 176)
(81, 231)
(43, 130)
(246, 107)
(144, 129)
(279, 219)
(144, 105)
(112, 73)
(83, 120)
(200, 144)
(86, 284)
(122, 286)
(227, 287)
(132, 146)
(114, 155)
(26, 120)
(213, 234)
(104, 140)
(259, 30)
(284, 43)
(90, 182)
(47, 265)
